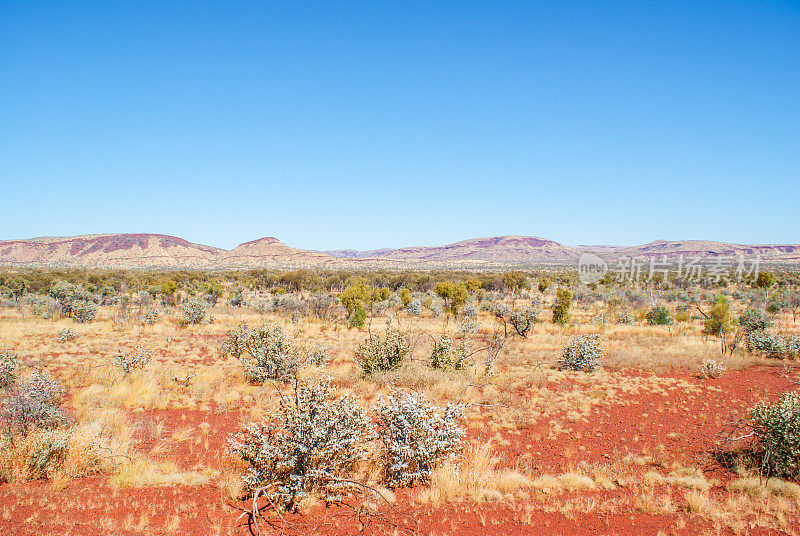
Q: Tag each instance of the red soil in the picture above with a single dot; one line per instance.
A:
(672, 428)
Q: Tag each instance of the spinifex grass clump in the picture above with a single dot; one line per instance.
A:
(416, 436)
(130, 360)
(312, 449)
(379, 354)
(66, 335)
(582, 353)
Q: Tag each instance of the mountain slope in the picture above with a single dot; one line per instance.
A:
(521, 250)
(143, 251)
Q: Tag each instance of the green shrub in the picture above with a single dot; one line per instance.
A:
(561, 306)
(83, 311)
(444, 356)
(659, 316)
(753, 320)
(774, 345)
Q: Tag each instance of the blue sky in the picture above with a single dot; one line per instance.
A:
(363, 125)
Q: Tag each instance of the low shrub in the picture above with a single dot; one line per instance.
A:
(774, 345)
(445, 356)
(193, 311)
(34, 402)
(150, 316)
(777, 431)
(266, 354)
(753, 320)
(712, 369)
(659, 316)
(414, 307)
(379, 354)
(66, 335)
(582, 353)
(624, 317)
(522, 320)
(8, 364)
(312, 449)
(130, 360)
(83, 311)
(416, 436)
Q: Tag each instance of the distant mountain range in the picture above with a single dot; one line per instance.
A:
(155, 251)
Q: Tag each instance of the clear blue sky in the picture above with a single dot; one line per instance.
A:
(361, 125)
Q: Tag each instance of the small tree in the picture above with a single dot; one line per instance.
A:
(718, 322)
(454, 295)
(561, 306)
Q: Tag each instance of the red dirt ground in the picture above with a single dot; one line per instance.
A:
(631, 423)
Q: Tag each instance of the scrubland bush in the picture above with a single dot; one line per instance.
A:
(66, 335)
(34, 402)
(8, 364)
(659, 316)
(776, 428)
(774, 345)
(414, 307)
(83, 311)
(264, 351)
(193, 311)
(583, 352)
(753, 320)
(130, 360)
(522, 320)
(444, 356)
(150, 316)
(41, 306)
(561, 306)
(624, 317)
(312, 449)
(379, 354)
(416, 436)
